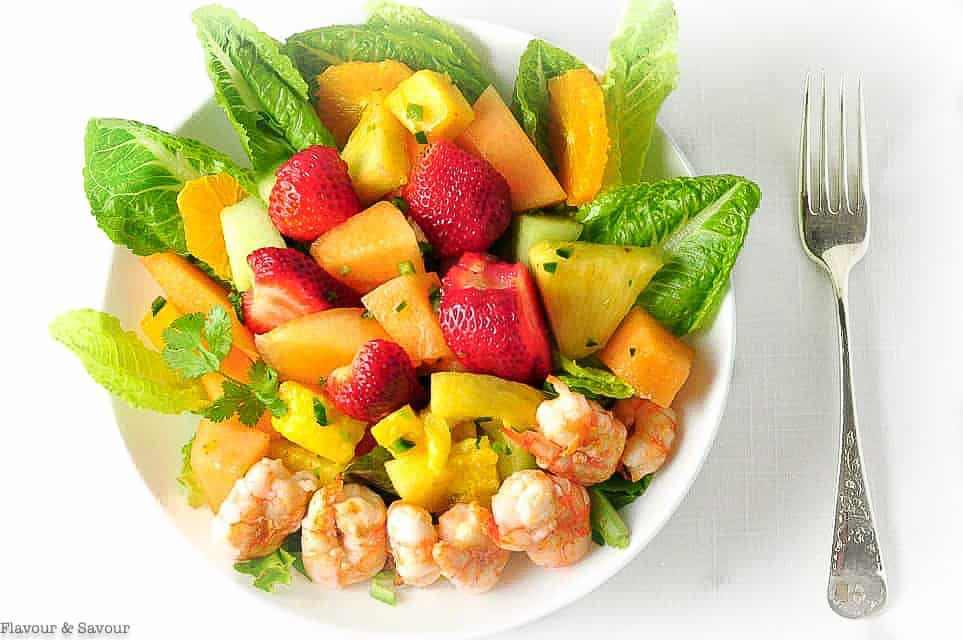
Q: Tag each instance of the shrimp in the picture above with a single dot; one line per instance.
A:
(653, 431)
(411, 536)
(262, 508)
(344, 536)
(576, 438)
(543, 515)
(468, 552)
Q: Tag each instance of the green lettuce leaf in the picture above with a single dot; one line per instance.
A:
(393, 32)
(592, 382)
(642, 70)
(530, 101)
(268, 571)
(620, 491)
(132, 176)
(370, 469)
(118, 360)
(259, 88)
(195, 495)
(608, 528)
(699, 223)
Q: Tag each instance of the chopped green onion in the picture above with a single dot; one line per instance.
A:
(591, 343)
(550, 267)
(415, 111)
(157, 305)
(434, 296)
(383, 587)
(631, 352)
(400, 446)
(321, 381)
(320, 413)
(484, 419)
(564, 252)
(367, 315)
(401, 306)
(421, 137)
(331, 297)
(344, 270)
(400, 203)
(607, 524)
(631, 281)
(406, 267)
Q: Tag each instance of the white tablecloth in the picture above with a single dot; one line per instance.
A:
(746, 554)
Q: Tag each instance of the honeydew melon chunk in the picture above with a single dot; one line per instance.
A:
(247, 227)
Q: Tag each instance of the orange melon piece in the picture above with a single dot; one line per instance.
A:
(403, 307)
(647, 356)
(222, 453)
(365, 250)
(192, 291)
(343, 91)
(495, 135)
(578, 133)
(311, 347)
(200, 203)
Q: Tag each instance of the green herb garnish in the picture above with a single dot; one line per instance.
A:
(421, 137)
(401, 306)
(400, 203)
(157, 305)
(406, 267)
(550, 267)
(415, 111)
(434, 296)
(320, 413)
(564, 252)
(400, 446)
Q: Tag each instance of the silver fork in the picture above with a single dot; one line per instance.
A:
(834, 227)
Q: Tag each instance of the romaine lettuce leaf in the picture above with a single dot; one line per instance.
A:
(592, 382)
(118, 360)
(700, 225)
(393, 32)
(261, 92)
(642, 70)
(270, 570)
(530, 101)
(132, 176)
(186, 478)
(620, 491)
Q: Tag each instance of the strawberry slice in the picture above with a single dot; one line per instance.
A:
(379, 380)
(288, 285)
(491, 317)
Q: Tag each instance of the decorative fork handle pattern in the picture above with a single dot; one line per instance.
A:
(857, 581)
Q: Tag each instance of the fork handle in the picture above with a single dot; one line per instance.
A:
(857, 581)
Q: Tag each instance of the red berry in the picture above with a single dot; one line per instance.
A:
(288, 285)
(491, 317)
(458, 199)
(379, 380)
(313, 193)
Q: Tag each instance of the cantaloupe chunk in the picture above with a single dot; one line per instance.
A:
(222, 453)
(192, 291)
(647, 356)
(311, 347)
(366, 249)
(578, 133)
(495, 135)
(403, 307)
(344, 89)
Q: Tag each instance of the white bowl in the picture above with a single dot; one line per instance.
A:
(526, 592)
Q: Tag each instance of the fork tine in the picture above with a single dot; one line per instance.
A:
(804, 167)
(842, 183)
(824, 166)
(862, 166)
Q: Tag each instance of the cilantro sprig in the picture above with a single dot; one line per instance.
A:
(196, 345)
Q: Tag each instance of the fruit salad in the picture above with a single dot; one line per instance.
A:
(425, 326)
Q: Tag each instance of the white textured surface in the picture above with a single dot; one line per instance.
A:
(746, 555)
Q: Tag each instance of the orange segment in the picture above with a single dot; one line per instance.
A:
(495, 135)
(343, 91)
(403, 307)
(311, 347)
(578, 133)
(200, 203)
(647, 356)
(366, 249)
(192, 291)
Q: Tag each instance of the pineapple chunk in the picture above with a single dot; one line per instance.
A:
(588, 288)
(400, 432)
(463, 429)
(296, 458)
(344, 90)
(414, 481)
(474, 472)
(427, 102)
(313, 422)
(459, 396)
(377, 152)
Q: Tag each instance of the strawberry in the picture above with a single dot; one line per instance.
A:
(379, 380)
(458, 199)
(288, 285)
(312, 194)
(491, 318)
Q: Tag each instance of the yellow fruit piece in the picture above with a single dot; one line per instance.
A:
(459, 396)
(335, 440)
(297, 458)
(414, 481)
(345, 89)
(474, 472)
(377, 152)
(401, 425)
(222, 453)
(578, 133)
(200, 203)
(463, 429)
(403, 307)
(428, 101)
(437, 441)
